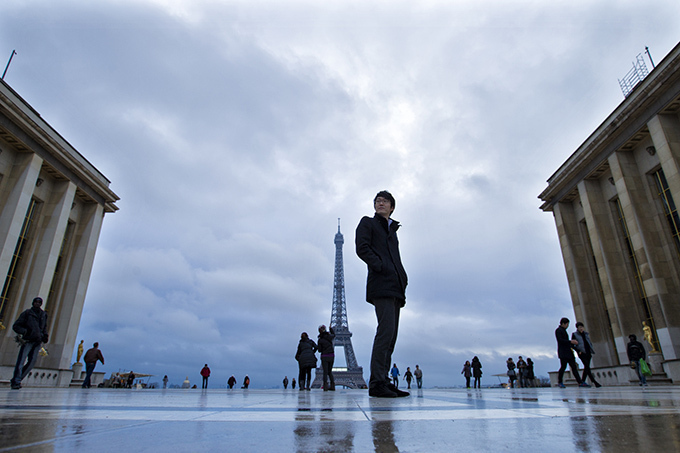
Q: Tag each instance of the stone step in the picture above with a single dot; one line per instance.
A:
(76, 382)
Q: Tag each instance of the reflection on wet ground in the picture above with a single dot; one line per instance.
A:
(605, 419)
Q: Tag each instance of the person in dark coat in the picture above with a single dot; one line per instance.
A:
(512, 373)
(378, 246)
(477, 372)
(467, 373)
(636, 352)
(327, 352)
(521, 372)
(91, 356)
(531, 377)
(408, 376)
(306, 360)
(585, 351)
(231, 382)
(31, 330)
(566, 354)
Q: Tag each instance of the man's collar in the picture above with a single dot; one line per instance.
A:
(390, 220)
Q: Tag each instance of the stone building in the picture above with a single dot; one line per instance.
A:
(52, 204)
(615, 207)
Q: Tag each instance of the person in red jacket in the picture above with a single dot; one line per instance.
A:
(205, 372)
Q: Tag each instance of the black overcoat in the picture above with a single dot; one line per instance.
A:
(378, 246)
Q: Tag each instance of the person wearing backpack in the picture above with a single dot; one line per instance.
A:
(636, 352)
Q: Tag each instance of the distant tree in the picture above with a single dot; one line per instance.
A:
(544, 381)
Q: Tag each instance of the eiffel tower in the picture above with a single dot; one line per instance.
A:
(353, 375)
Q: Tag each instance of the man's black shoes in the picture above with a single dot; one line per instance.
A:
(399, 393)
(387, 391)
(381, 391)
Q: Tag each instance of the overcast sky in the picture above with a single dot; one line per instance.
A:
(236, 133)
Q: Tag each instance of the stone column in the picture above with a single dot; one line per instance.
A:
(49, 238)
(15, 201)
(620, 296)
(584, 285)
(20, 184)
(665, 133)
(643, 229)
(73, 293)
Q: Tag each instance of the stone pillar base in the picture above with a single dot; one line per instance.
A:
(654, 360)
(77, 370)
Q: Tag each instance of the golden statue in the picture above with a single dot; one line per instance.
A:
(647, 332)
(80, 351)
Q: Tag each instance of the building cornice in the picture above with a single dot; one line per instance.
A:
(30, 132)
(650, 97)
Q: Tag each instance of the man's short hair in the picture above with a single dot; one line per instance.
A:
(96, 345)
(579, 324)
(564, 321)
(387, 196)
(38, 299)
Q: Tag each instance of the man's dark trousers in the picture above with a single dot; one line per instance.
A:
(205, 382)
(563, 366)
(327, 365)
(387, 312)
(585, 359)
(28, 351)
(89, 369)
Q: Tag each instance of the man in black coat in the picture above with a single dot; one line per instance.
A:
(378, 246)
(31, 329)
(566, 354)
(636, 352)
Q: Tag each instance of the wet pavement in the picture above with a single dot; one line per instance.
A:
(621, 419)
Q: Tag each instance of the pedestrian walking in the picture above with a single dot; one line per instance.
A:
(31, 330)
(418, 373)
(584, 349)
(565, 352)
(477, 372)
(636, 353)
(408, 376)
(467, 373)
(91, 356)
(395, 376)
